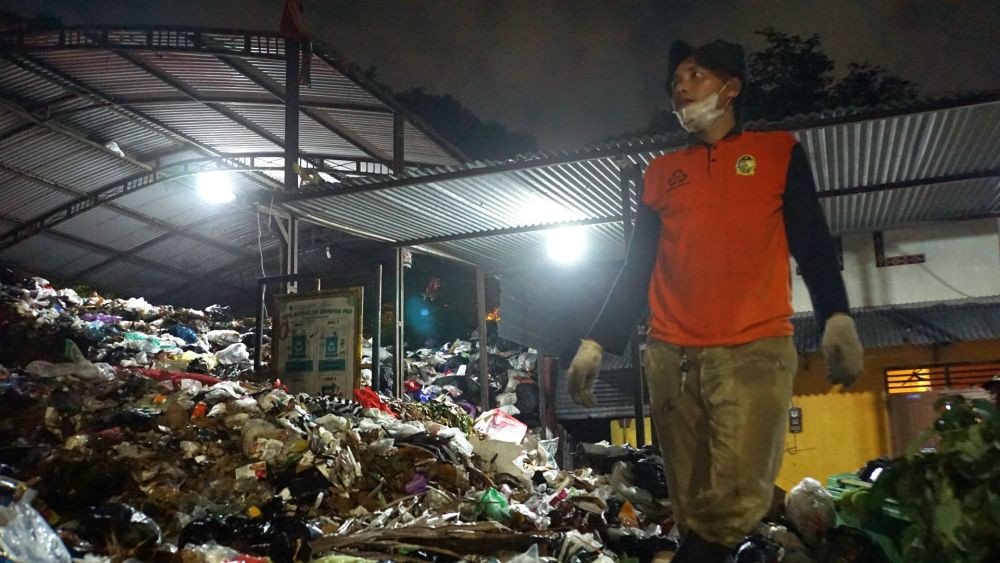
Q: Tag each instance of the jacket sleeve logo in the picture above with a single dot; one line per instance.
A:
(677, 178)
(746, 165)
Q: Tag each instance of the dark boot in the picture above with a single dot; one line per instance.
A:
(695, 549)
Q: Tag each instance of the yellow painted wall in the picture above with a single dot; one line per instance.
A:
(843, 430)
(623, 431)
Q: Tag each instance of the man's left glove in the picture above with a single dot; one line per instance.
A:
(583, 371)
(842, 350)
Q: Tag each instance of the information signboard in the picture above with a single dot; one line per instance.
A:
(316, 345)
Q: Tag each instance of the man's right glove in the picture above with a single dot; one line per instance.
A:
(842, 350)
(582, 372)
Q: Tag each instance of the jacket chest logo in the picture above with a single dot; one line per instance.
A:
(677, 178)
(746, 165)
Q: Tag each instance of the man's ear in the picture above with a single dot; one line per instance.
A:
(735, 88)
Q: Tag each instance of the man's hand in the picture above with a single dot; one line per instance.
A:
(582, 372)
(842, 350)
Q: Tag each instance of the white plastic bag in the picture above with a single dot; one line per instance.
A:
(811, 510)
(24, 533)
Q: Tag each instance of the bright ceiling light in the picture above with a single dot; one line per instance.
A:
(216, 187)
(566, 245)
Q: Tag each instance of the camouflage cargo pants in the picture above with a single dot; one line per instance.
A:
(722, 429)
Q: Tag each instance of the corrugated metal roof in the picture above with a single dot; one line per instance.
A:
(21, 84)
(23, 198)
(187, 254)
(419, 148)
(327, 83)
(206, 74)
(947, 201)
(147, 92)
(531, 250)
(174, 201)
(922, 324)
(107, 72)
(240, 231)
(9, 121)
(104, 125)
(377, 127)
(52, 256)
(65, 161)
(938, 153)
(208, 127)
(109, 228)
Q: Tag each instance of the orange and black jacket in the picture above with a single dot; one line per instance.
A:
(710, 250)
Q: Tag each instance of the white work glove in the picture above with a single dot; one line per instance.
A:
(842, 350)
(582, 372)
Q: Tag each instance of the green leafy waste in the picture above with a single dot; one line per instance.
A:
(950, 496)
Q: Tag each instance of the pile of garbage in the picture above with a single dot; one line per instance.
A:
(36, 318)
(128, 433)
(123, 465)
(452, 370)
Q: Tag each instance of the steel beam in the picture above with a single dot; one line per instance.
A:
(176, 39)
(509, 231)
(888, 186)
(131, 105)
(511, 166)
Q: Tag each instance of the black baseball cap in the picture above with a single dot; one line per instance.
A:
(716, 55)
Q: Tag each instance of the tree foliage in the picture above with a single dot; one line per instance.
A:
(445, 114)
(790, 76)
(478, 139)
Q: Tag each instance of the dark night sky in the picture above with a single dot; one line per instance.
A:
(572, 72)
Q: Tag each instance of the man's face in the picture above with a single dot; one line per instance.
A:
(692, 83)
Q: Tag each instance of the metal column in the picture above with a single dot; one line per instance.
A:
(377, 332)
(290, 262)
(291, 114)
(627, 175)
(484, 355)
(397, 351)
(398, 157)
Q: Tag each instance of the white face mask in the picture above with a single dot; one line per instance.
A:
(698, 116)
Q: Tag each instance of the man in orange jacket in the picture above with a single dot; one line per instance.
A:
(710, 252)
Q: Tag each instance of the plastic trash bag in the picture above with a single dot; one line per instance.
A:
(233, 354)
(758, 549)
(494, 506)
(119, 524)
(810, 508)
(78, 366)
(530, 556)
(24, 533)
